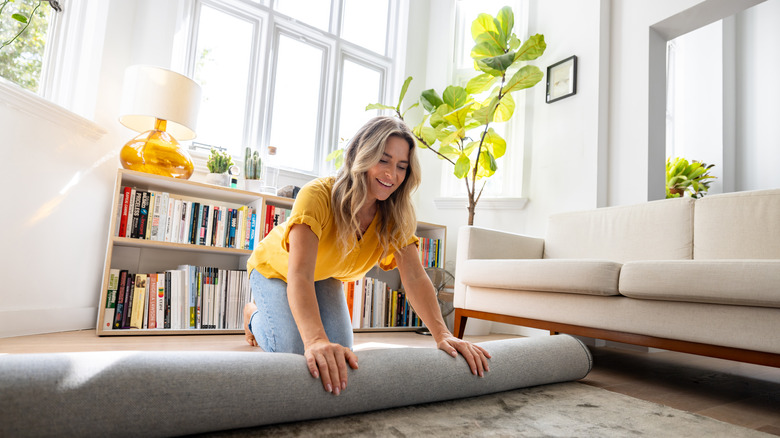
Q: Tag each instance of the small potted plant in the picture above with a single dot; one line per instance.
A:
(683, 176)
(218, 164)
(252, 169)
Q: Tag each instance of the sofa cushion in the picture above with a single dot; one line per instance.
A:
(741, 225)
(657, 230)
(734, 282)
(589, 277)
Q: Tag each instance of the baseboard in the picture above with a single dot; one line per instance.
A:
(37, 321)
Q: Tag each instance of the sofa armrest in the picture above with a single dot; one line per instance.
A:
(484, 243)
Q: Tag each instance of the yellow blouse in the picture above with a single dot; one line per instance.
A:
(313, 208)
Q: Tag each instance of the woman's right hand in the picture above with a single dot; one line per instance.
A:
(328, 361)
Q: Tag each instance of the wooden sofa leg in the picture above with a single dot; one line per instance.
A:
(460, 324)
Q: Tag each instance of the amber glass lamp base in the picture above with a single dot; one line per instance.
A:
(159, 153)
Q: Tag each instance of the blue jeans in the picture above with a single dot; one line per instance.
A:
(273, 324)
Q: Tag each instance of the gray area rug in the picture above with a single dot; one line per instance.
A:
(559, 410)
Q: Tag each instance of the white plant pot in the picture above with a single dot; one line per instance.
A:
(252, 185)
(218, 179)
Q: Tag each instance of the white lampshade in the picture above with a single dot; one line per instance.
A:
(151, 93)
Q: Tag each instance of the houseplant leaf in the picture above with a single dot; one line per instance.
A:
(526, 77)
(458, 117)
(379, 106)
(455, 96)
(496, 65)
(449, 152)
(487, 164)
(532, 48)
(462, 166)
(486, 50)
(506, 21)
(495, 143)
(404, 87)
(484, 114)
(506, 107)
(430, 100)
(480, 83)
(484, 29)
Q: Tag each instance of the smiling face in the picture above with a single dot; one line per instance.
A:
(386, 176)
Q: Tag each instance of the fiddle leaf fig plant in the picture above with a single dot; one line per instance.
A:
(683, 176)
(456, 125)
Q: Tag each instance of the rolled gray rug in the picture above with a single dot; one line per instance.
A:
(177, 393)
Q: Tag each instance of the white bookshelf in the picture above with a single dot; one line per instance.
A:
(147, 256)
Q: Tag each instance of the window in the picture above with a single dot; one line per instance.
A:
(294, 74)
(221, 68)
(506, 181)
(23, 38)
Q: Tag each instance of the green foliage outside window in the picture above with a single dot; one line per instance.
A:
(23, 30)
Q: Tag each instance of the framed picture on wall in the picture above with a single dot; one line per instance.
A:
(562, 79)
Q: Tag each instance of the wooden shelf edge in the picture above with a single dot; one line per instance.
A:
(168, 332)
(385, 329)
(143, 243)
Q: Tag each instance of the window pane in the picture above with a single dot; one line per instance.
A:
(365, 23)
(221, 68)
(21, 60)
(295, 106)
(360, 87)
(313, 12)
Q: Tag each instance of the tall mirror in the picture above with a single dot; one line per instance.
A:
(722, 100)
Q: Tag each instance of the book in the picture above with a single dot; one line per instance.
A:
(252, 230)
(143, 215)
(128, 292)
(145, 313)
(111, 298)
(136, 213)
(150, 216)
(126, 191)
(186, 229)
(152, 302)
(139, 294)
(203, 224)
(163, 209)
(194, 223)
(159, 320)
(120, 300)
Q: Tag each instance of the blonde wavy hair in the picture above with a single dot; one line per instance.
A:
(397, 220)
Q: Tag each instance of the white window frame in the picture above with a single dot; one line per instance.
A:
(261, 86)
(70, 73)
(510, 194)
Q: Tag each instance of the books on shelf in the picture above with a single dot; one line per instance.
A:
(274, 216)
(187, 298)
(164, 217)
(373, 304)
(430, 252)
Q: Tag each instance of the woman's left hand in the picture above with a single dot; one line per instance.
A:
(476, 356)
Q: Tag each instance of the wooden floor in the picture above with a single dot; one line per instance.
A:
(733, 392)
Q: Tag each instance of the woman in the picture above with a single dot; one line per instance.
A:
(339, 229)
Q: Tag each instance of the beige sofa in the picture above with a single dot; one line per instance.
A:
(699, 276)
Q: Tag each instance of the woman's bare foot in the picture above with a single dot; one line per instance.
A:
(249, 309)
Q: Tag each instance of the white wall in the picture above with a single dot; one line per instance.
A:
(58, 177)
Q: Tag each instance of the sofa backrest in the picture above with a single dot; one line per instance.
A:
(740, 225)
(656, 230)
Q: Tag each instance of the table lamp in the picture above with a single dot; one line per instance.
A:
(163, 106)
